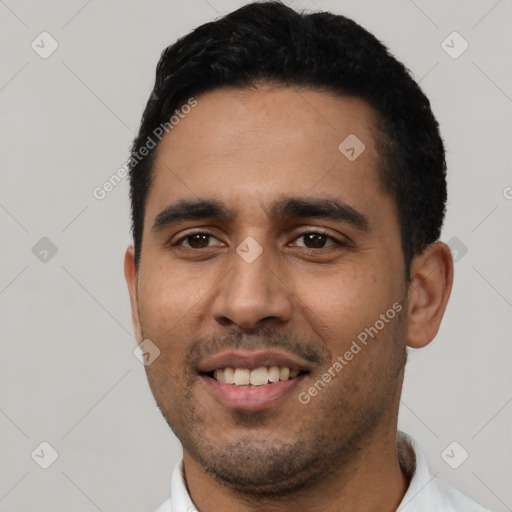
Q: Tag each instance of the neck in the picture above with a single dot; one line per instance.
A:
(372, 481)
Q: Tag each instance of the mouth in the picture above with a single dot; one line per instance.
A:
(252, 380)
(249, 378)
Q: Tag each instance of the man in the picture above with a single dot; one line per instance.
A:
(288, 191)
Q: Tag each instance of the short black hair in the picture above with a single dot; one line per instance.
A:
(271, 43)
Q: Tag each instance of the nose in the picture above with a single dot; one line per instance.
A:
(252, 294)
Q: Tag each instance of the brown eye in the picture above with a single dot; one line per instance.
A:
(199, 240)
(317, 240)
(195, 241)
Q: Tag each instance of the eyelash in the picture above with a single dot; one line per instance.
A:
(335, 240)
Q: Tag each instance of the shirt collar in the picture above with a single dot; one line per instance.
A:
(420, 493)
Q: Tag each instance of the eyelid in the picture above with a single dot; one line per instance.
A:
(191, 233)
(337, 241)
(316, 231)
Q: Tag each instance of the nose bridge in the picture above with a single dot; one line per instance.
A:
(251, 291)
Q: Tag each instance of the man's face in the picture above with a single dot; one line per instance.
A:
(253, 289)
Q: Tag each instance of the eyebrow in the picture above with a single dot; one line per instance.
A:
(286, 208)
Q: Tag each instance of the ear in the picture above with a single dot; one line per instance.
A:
(130, 275)
(429, 291)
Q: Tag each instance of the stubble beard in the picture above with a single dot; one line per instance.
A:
(328, 442)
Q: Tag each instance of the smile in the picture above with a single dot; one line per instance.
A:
(252, 380)
(257, 377)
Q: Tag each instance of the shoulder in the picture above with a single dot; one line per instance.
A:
(455, 501)
(426, 492)
(179, 500)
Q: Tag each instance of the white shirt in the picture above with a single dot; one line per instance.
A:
(424, 494)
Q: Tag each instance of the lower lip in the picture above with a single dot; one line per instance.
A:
(254, 398)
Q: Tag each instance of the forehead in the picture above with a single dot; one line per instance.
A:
(238, 144)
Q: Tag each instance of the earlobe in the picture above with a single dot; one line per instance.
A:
(130, 275)
(429, 291)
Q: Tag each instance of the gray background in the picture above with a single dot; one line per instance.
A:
(68, 373)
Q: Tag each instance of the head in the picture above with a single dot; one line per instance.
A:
(287, 207)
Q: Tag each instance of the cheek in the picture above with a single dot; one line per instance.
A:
(164, 307)
(165, 296)
(165, 303)
(343, 303)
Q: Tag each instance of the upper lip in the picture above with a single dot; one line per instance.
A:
(253, 359)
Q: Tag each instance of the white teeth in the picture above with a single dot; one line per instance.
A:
(242, 377)
(259, 376)
(273, 374)
(256, 377)
(229, 375)
(219, 375)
